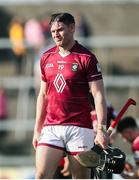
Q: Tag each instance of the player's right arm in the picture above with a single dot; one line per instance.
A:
(40, 112)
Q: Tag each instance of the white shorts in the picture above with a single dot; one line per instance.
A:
(72, 139)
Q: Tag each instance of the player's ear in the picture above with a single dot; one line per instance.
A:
(72, 27)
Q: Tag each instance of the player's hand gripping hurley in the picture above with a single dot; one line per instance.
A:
(110, 159)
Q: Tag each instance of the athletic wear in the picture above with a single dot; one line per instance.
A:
(71, 139)
(67, 78)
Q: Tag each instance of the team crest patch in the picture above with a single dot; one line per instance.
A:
(74, 67)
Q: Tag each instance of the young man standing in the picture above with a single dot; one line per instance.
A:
(63, 121)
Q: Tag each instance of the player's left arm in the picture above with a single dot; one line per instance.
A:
(97, 90)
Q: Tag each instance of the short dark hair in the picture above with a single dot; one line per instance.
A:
(127, 122)
(65, 18)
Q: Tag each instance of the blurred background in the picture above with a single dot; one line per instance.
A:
(109, 28)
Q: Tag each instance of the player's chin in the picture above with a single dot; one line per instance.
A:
(59, 43)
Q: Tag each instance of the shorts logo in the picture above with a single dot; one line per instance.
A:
(59, 83)
(82, 147)
(74, 67)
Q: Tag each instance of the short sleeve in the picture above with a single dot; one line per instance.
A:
(93, 69)
(42, 67)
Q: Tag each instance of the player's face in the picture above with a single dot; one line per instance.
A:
(62, 34)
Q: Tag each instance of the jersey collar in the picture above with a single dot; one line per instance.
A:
(74, 48)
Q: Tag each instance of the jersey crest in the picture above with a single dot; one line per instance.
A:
(74, 67)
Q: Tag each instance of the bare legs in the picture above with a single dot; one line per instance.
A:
(47, 160)
(78, 171)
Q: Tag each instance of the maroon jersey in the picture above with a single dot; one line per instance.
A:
(135, 148)
(67, 78)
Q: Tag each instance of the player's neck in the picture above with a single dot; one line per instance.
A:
(65, 49)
